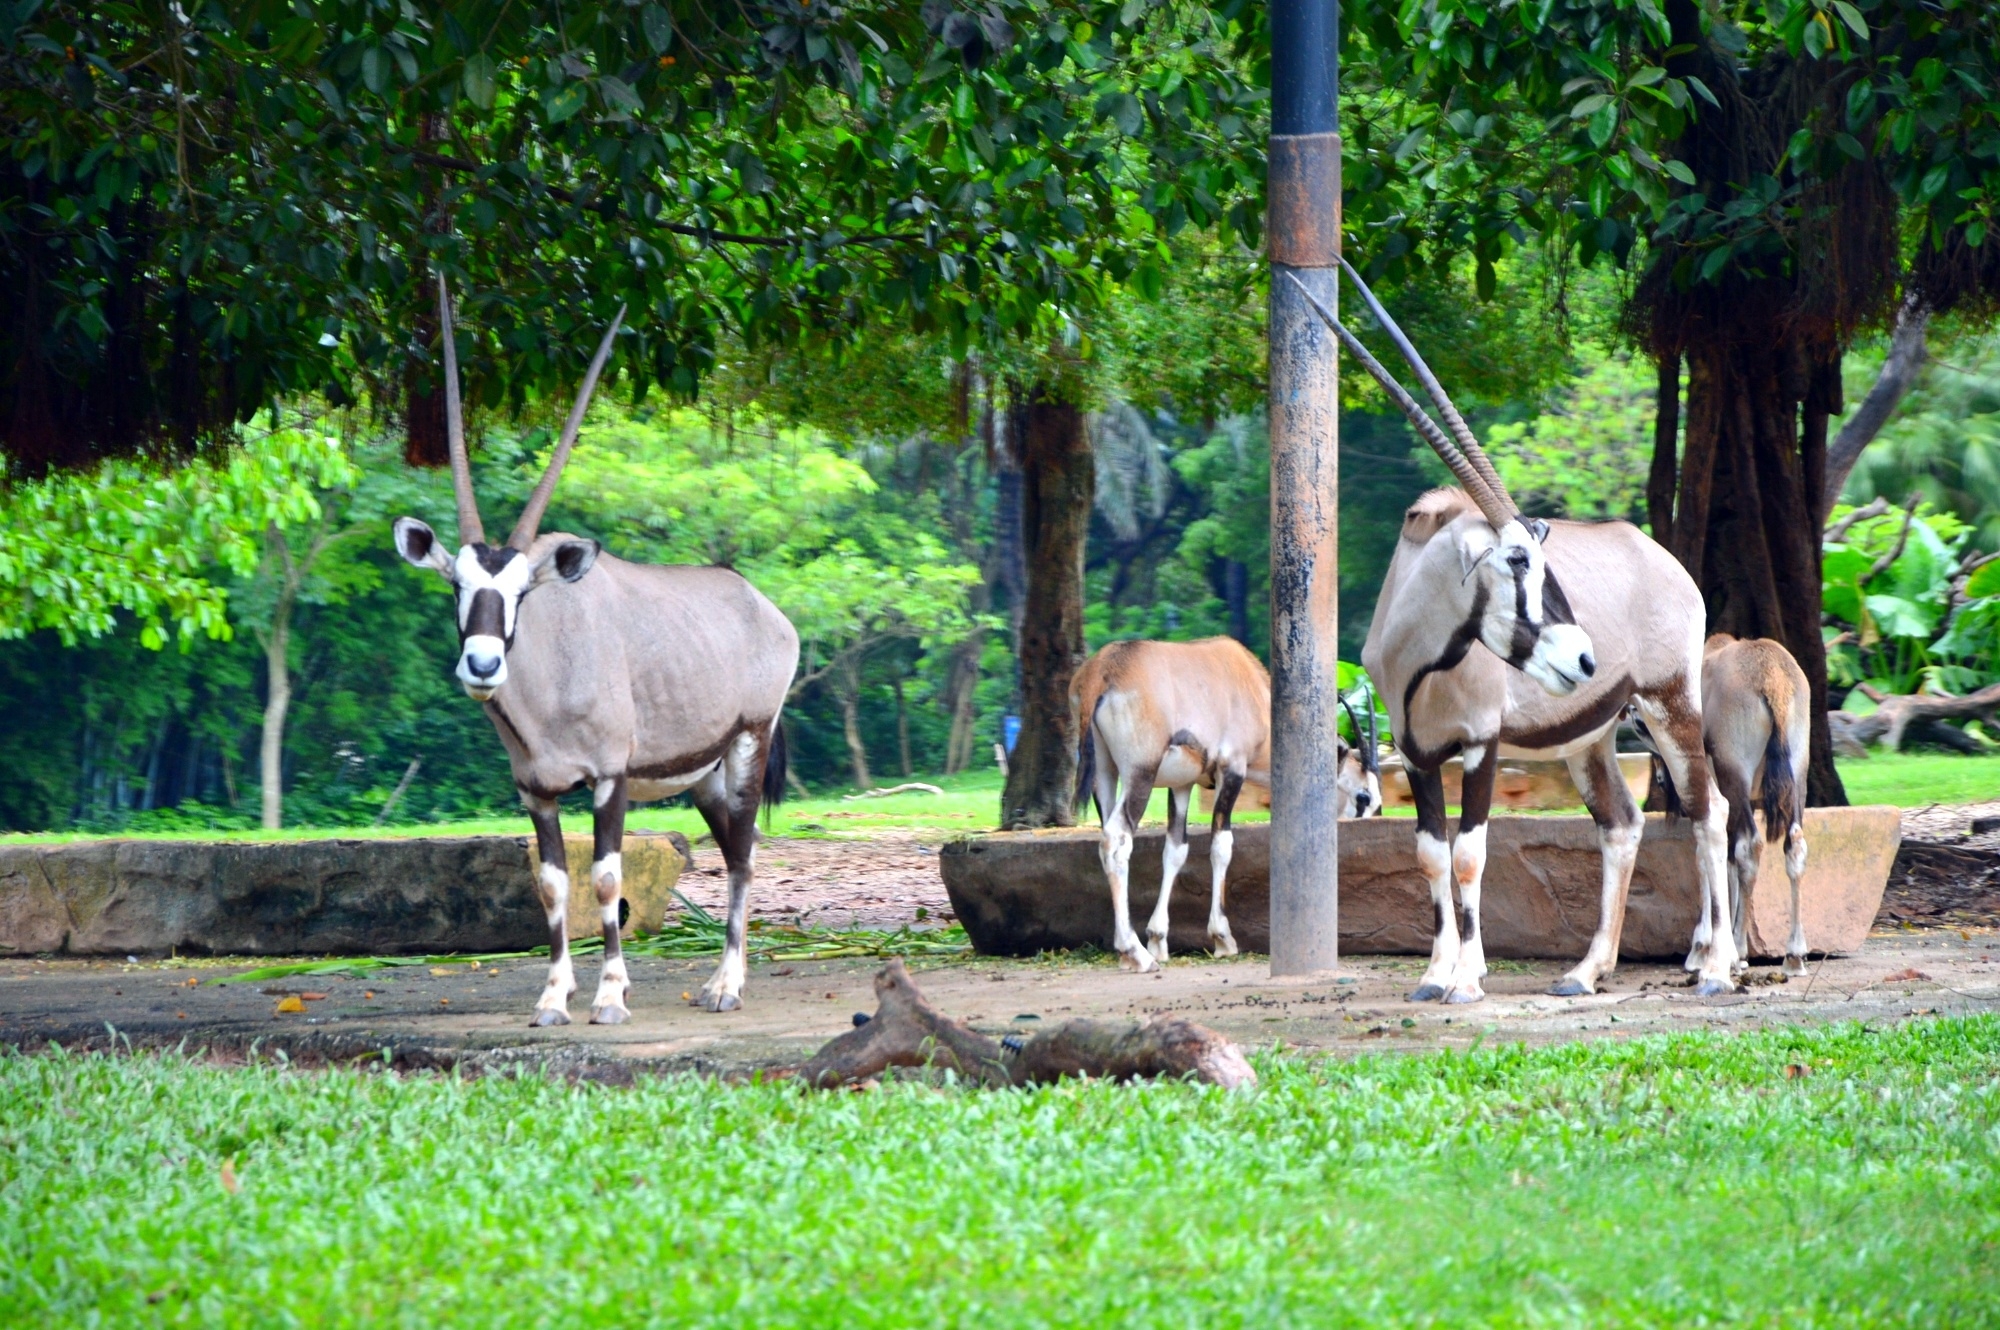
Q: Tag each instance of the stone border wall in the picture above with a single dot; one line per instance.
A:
(407, 896)
(1022, 892)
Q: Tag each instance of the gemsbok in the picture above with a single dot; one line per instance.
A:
(1360, 779)
(633, 681)
(1500, 634)
(1178, 714)
(1756, 719)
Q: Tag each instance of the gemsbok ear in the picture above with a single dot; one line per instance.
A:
(418, 544)
(566, 561)
(1538, 529)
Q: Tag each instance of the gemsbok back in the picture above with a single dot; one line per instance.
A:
(632, 681)
(1177, 714)
(1499, 634)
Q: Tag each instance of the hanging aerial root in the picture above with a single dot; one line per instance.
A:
(907, 1031)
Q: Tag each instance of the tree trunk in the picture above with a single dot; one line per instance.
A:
(1666, 451)
(964, 700)
(1236, 585)
(1908, 352)
(278, 697)
(902, 728)
(849, 689)
(1058, 484)
(1747, 526)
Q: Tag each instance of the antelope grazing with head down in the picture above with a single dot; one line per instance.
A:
(1498, 634)
(1360, 779)
(632, 681)
(1756, 721)
(1178, 714)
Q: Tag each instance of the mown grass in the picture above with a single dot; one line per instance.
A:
(1916, 780)
(1684, 1180)
(971, 803)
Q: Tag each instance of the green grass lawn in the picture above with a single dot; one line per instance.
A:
(1670, 1181)
(971, 802)
(1915, 780)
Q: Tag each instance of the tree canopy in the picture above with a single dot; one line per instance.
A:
(206, 206)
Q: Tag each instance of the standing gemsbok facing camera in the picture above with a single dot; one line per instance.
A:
(633, 681)
(1498, 634)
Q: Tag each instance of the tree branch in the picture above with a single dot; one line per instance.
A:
(1907, 354)
(1882, 564)
(1875, 507)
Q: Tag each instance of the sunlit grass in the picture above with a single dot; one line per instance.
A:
(1843, 1176)
(1915, 780)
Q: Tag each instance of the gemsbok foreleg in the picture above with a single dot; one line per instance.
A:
(1468, 869)
(1619, 824)
(1120, 822)
(1434, 861)
(1221, 845)
(552, 885)
(607, 877)
(1172, 857)
(1674, 720)
(727, 799)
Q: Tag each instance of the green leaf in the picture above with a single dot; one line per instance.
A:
(1680, 171)
(374, 69)
(479, 81)
(1985, 582)
(566, 103)
(659, 29)
(618, 93)
(1604, 124)
(1590, 105)
(1852, 18)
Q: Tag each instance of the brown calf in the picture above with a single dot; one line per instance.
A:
(1177, 714)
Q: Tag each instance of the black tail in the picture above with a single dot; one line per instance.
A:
(775, 767)
(1086, 764)
(1781, 792)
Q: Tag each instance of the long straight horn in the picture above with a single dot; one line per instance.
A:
(1475, 484)
(538, 502)
(470, 530)
(1435, 391)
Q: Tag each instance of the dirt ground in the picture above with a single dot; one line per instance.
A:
(1935, 949)
(457, 1015)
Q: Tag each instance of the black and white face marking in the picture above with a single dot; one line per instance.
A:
(1527, 620)
(490, 582)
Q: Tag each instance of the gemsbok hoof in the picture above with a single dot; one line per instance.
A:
(1158, 946)
(1138, 961)
(609, 1015)
(1795, 967)
(548, 1016)
(1714, 988)
(1221, 945)
(1462, 993)
(1427, 993)
(1570, 986)
(719, 1002)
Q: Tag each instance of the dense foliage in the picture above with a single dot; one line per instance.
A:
(211, 206)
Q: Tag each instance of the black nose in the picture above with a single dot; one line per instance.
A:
(1361, 802)
(1586, 664)
(483, 666)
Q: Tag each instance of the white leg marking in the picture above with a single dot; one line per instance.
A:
(1221, 846)
(724, 989)
(1795, 868)
(1434, 860)
(1711, 838)
(607, 875)
(562, 975)
(1116, 855)
(1618, 847)
(1172, 858)
(1468, 865)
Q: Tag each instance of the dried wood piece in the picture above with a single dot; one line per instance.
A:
(907, 1031)
(1919, 716)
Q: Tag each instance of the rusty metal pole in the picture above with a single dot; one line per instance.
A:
(1303, 227)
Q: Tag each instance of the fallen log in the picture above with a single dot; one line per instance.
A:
(1920, 717)
(907, 1031)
